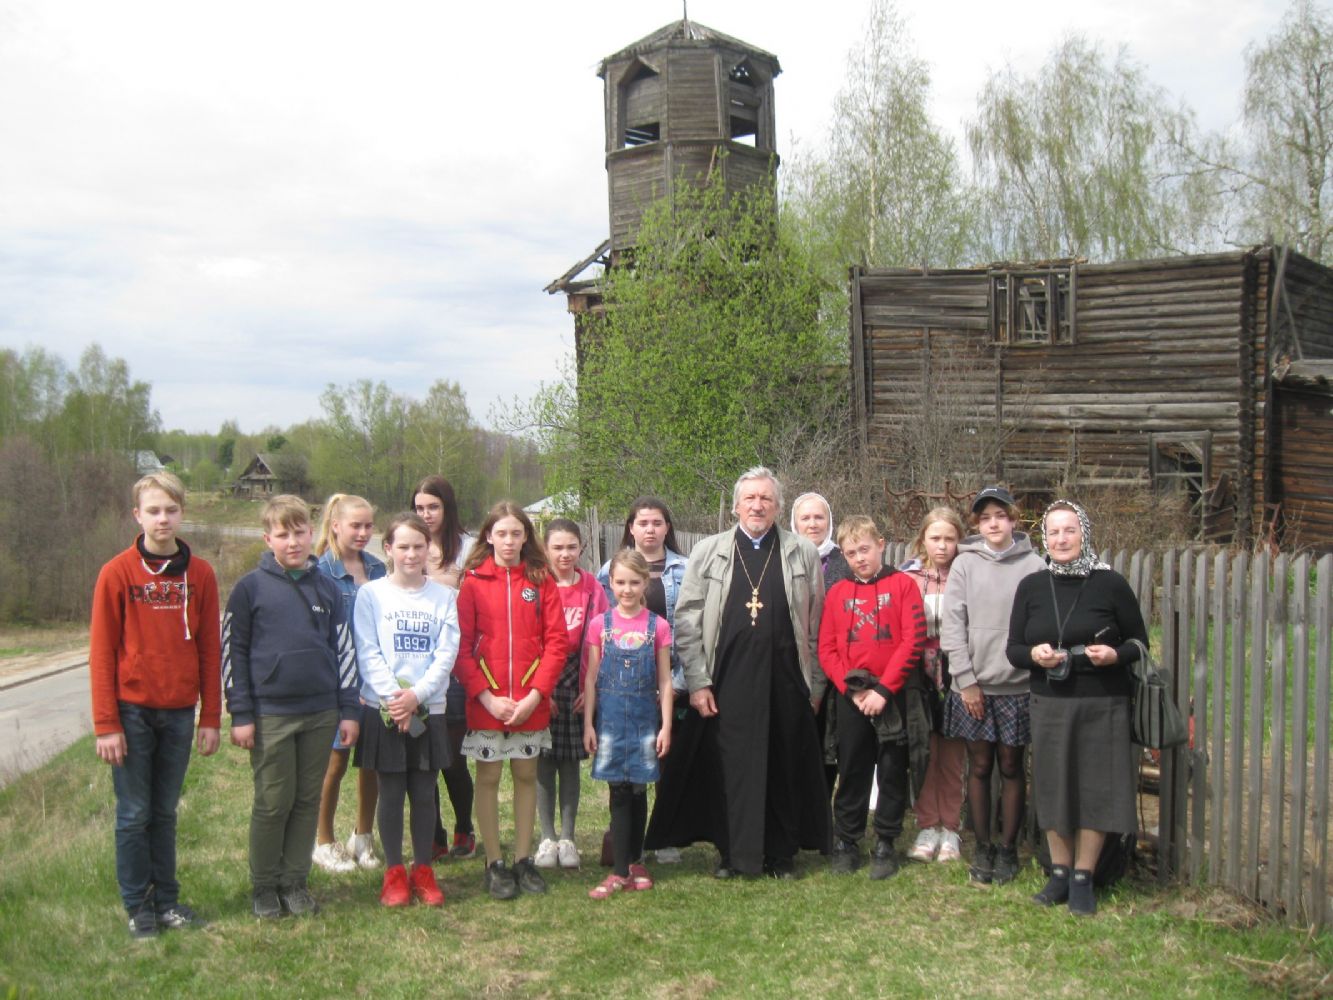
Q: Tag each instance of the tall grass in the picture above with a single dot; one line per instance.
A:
(925, 933)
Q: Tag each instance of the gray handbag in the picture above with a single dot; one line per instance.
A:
(1155, 721)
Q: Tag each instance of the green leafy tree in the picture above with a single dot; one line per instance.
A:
(364, 448)
(887, 190)
(204, 475)
(1084, 160)
(707, 355)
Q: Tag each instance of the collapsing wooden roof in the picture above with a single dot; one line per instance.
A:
(687, 32)
(568, 282)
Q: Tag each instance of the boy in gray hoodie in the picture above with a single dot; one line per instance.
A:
(289, 674)
(988, 705)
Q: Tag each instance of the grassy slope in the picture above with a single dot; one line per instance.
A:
(925, 933)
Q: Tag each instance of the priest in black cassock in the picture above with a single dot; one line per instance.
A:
(745, 769)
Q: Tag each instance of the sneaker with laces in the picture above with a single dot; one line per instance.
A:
(568, 854)
(883, 860)
(395, 891)
(667, 855)
(266, 904)
(143, 924)
(926, 844)
(846, 857)
(529, 879)
(425, 889)
(951, 848)
(361, 849)
(297, 901)
(499, 881)
(547, 855)
(178, 916)
(465, 845)
(333, 858)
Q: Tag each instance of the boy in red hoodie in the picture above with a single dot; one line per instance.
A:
(154, 653)
(871, 635)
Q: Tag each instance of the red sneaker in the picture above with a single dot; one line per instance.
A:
(465, 845)
(395, 891)
(424, 887)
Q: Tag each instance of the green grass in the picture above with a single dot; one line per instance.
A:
(924, 934)
(28, 640)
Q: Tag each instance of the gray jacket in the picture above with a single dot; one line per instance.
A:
(703, 593)
(974, 617)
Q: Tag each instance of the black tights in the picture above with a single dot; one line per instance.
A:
(416, 787)
(1013, 790)
(629, 818)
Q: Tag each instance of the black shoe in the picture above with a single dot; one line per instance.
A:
(297, 901)
(500, 881)
(529, 880)
(179, 916)
(724, 870)
(780, 868)
(883, 861)
(1005, 868)
(1056, 889)
(143, 923)
(846, 857)
(982, 870)
(1082, 901)
(266, 904)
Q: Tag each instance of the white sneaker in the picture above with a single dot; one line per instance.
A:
(568, 854)
(668, 855)
(950, 847)
(361, 846)
(547, 854)
(332, 858)
(927, 843)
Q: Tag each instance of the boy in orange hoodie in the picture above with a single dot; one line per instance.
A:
(154, 654)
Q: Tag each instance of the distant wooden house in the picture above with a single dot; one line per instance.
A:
(258, 481)
(146, 462)
(1156, 371)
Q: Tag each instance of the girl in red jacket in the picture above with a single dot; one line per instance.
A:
(512, 649)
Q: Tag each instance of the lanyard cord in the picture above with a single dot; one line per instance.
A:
(1060, 623)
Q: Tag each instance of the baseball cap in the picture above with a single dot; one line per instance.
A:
(998, 493)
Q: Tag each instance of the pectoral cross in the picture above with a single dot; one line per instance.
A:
(754, 604)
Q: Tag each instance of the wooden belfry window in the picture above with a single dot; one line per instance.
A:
(743, 105)
(641, 106)
(1032, 307)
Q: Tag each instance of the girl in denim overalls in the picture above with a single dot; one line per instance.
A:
(627, 691)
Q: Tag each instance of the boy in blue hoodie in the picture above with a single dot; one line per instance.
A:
(289, 674)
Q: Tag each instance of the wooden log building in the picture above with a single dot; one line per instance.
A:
(1208, 372)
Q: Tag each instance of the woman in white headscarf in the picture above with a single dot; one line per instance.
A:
(1071, 627)
(812, 517)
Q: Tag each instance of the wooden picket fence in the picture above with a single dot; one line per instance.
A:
(1247, 640)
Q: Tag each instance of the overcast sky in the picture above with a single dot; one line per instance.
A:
(249, 200)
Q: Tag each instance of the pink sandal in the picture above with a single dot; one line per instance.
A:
(609, 886)
(639, 879)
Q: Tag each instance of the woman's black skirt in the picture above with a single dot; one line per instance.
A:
(1082, 764)
(383, 749)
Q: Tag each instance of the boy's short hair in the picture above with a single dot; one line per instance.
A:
(856, 526)
(286, 511)
(1011, 511)
(168, 482)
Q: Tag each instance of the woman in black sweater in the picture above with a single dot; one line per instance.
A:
(1071, 627)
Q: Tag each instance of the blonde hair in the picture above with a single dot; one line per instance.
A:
(286, 511)
(336, 508)
(168, 482)
(856, 526)
(632, 560)
(946, 515)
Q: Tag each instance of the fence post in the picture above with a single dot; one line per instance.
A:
(1258, 669)
(1236, 723)
(1167, 844)
(1199, 753)
(1277, 744)
(1218, 772)
(1300, 731)
(1319, 815)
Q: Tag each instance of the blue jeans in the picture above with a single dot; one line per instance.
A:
(148, 788)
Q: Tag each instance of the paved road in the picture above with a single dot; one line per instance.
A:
(40, 718)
